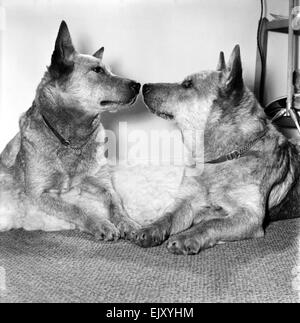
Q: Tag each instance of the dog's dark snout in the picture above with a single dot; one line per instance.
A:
(146, 89)
(135, 86)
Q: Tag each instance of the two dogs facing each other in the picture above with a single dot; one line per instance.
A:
(55, 166)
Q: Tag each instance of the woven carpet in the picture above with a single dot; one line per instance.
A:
(71, 267)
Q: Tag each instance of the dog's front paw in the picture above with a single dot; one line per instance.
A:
(103, 230)
(183, 244)
(126, 228)
(151, 236)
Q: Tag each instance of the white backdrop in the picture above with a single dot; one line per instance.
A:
(149, 41)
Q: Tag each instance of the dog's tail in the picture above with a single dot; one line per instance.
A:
(289, 208)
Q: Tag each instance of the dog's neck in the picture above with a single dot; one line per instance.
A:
(242, 122)
(72, 123)
(235, 128)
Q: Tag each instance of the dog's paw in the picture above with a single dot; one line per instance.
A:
(103, 230)
(186, 245)
(126, 228)
(151, 236)
(106, 232)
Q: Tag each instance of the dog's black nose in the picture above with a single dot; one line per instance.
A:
(146, 89)
(135, 86)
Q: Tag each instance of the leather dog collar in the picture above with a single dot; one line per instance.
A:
(63, 141)
(236, 154)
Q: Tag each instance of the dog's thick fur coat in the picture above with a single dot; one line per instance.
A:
(55, 166)
(47, 185)
(231, 200)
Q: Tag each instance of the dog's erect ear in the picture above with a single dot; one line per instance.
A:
(99, 53)
(62, 57)
(235, 71)
(221, 64)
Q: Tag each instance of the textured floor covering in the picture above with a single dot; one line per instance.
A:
(71, 267)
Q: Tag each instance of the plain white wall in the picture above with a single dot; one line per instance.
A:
(276, 77)
(149, 41)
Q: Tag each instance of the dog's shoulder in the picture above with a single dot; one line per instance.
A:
(34, 135)
(14, 150)
(10, 152)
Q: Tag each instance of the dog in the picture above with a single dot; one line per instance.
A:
(55, 168)
(248, 171)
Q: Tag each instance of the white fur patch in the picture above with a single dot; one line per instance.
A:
(147, 191)
(192, 120)
(6, 218)
(9, 213)
(247, 197)
(37, 220)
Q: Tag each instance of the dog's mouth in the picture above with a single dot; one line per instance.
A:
(106, 103)
(164, 115)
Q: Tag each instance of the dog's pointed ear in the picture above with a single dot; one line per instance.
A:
(99, 53)
(221, 64)
(62, 57)
(234, 80)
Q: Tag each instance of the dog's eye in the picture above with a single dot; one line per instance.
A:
(98, 70)
(187, 84)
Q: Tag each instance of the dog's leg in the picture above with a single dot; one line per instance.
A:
(119, 216)
(241, 225)
(101, 228)
(180, 219)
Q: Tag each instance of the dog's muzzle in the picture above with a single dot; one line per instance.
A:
(135, 87)
(146, 89)
(134, 91)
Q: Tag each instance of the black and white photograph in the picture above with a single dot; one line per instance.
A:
(149, 154)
